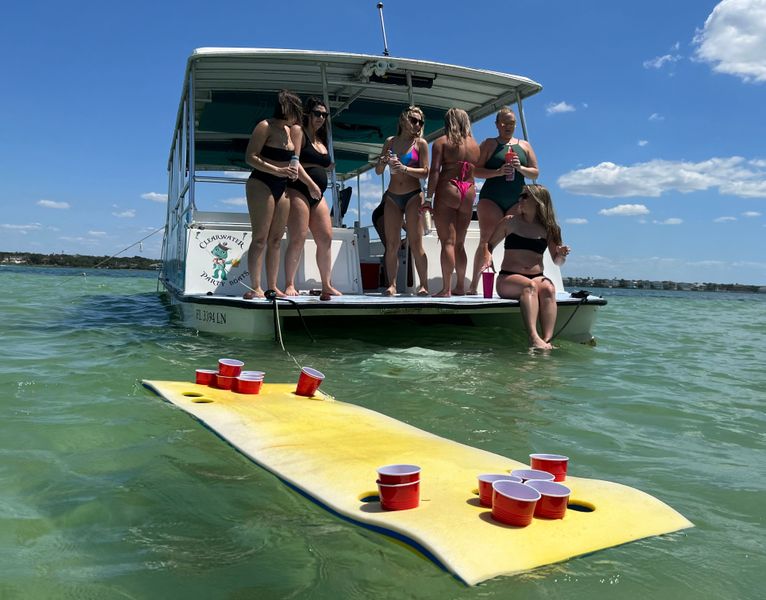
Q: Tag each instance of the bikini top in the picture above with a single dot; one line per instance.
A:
(312, 156)
(517, 242)
(278, 154)
(411, 158)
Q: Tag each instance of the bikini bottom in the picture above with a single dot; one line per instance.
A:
(277, 185)
(529, 276)
(460, 183)
(401, 200)
(319, 176)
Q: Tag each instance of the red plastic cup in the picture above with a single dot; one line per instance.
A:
(485, 486)
(308, 382)
(393, 474)
(532, 474)
(224, 382)
(488, 281)
(399, 496)
(230, 367)
(553, 501)
(513, 503)
(552, 463)
(206, 376)
(247, 385)
(253, 374)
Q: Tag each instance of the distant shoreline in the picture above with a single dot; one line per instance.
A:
(82, 261)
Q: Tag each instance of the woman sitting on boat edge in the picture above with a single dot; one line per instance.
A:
(451, 181)
(499, 195)
(269, 152)
(308, 208)
(527, 235)
(406, 155)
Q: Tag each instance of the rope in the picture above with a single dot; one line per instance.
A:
(583, 300)
(97, 265)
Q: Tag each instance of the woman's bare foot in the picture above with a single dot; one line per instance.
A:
(279, 293)
(250, 294)
(290, 291)
(458, 291)
(539, 343)
(330, 291)
(442, 294)
(422, 291)
(390, 290)
(471, 292)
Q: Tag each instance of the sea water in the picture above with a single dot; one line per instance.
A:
(109, 492)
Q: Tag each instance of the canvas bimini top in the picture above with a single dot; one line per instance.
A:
(229, 90)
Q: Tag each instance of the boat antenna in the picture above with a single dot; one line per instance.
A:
(383, 28)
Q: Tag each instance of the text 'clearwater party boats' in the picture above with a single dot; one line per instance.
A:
(226, 91)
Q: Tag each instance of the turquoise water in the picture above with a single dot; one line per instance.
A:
(109, 492)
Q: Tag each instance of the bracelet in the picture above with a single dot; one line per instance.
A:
(405, 170)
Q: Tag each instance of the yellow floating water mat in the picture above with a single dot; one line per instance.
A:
(330, 450)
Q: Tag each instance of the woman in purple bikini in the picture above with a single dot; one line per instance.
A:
(406, 155)
(527, 235)
(451, 179)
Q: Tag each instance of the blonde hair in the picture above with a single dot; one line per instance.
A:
(544, 211)
(411, 110)
(457, 126)
(504, 111)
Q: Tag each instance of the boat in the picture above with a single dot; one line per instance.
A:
(226, 91)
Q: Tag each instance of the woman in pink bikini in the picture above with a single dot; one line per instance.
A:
(451, 179)
(527, 235)
(406, 155)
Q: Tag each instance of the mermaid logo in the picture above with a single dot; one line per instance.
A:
(220, 261)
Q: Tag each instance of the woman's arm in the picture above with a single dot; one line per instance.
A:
(502, 229)
(421, 171)
(558, 253)
(531, 171)
(380, 165)
(436, 165)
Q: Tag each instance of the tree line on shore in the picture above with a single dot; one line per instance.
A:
(80, 261)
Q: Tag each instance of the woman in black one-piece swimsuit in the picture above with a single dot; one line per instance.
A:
(308, 208)
(269, 152)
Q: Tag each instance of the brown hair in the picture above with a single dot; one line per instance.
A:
(504, 111)
(288, 105)
(544, 211)
(310, 105)
(457, 126)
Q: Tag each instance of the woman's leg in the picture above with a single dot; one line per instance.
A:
(525, 290)
(462, 221)
(260, 205)
(489, 216)
(392, 225)
(274, 242)
(321, 231)
(297, 227)
(415, 239)
(546, 293)
(444, 218)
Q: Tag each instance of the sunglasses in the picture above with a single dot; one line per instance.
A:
(416, 122)
(319, 113)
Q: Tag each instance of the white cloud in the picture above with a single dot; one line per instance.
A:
(125, 214)
(22, 228)
(733, 39)
(643, 143)
(97, 233)
(670, 221)
(675, 46)
(659, 61)
(656, 117)
(625, 210)
(155, 197)
(559, 107)
(654, 177)
(242, 201)
(576, 221)
(757, 162)
(52, 204)
(751, 213)
(724, 219)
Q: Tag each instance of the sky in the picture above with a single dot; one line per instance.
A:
(650, 130)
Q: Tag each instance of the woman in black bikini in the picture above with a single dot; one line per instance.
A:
(406, 154)
(527, 235)
(308, 209)
(269, 152)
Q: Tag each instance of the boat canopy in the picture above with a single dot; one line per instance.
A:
(230, 90)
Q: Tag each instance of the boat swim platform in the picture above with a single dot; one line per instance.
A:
(329, 451)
